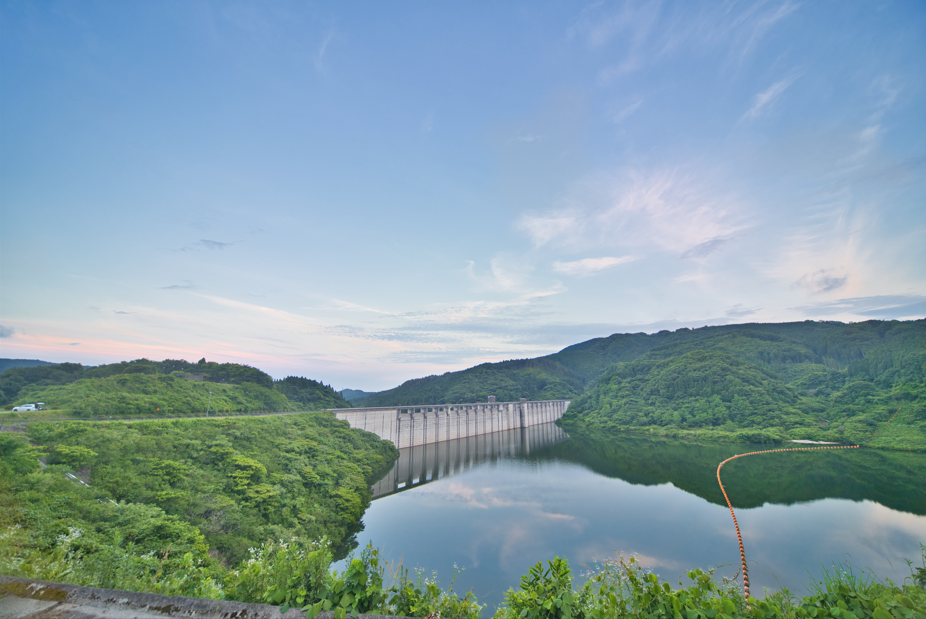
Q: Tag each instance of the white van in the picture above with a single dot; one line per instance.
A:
(24, 408)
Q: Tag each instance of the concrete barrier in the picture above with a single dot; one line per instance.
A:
(410, 426)
(22, 598)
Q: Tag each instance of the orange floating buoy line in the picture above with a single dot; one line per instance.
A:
(736, 525)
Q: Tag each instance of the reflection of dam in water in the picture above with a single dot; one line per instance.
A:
(429, 462)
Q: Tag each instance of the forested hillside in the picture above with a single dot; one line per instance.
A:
(6, 364)
(158, 490)
(767, 382)
(873, 348)
(537, 379)
(772, 382)
(166, 388)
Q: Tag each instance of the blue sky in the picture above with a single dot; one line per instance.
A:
(364, 193)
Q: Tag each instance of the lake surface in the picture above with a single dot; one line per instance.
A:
(496, 504)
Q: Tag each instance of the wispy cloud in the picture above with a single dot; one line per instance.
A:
(880, 306)
(824, 280)
(530, 137)
(121, 312)
(668, 210)
(206, 244)
(609, 74)
(319, 59)
(6, 331)
(738, 311)
(587, 266)
(597, 24)
(626, 112)
(188, 285)
(354, 307)
(705, 249)
(762, 101)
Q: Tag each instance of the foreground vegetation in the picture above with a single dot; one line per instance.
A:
(168, 388)
(180, 508)
(232, 481)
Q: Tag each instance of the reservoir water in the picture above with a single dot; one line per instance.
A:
(496, 504)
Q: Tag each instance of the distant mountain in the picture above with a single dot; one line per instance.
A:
(355, 394)
(815, 380)
(6, 364)
(536, 379)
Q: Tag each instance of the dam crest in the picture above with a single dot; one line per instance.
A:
(412, 426)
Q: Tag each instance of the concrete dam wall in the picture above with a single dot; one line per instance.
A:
(411, 426)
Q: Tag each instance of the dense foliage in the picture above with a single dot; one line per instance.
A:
(307, 475)
(310, 393)
(239, 480)
(760, 386)
(623, 588)
(164, 388)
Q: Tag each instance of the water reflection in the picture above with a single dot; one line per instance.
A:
(894, 479)
(425, 463)
(498, 504)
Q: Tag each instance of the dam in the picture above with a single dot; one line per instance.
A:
(411, 426)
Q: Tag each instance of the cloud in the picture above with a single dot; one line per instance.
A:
(354, 307)
(6, 331)
(73, 344)
(609, 74)
(187, 286)
(824, 280)
(886, 307)
(544, 228)
(667, 210)
(599, 27)
(320, 54)
(738, 311)
(509, 273)
(705, 249)
(121, 312)
(587, 266)
(206, 244)
(625, 113)
(530, 137)
(763, 100)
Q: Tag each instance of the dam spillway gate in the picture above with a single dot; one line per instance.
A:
(412, 426)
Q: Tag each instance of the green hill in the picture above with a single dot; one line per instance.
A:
(170, 387)
(813, 380)
(159, 489)
(535, 379)
(6, 364)
(310, 393)
(355, 394)
(769, 382)
(702, 388)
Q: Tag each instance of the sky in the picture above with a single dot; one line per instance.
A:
(364, 193)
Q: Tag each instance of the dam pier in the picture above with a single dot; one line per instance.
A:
(412, 426)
